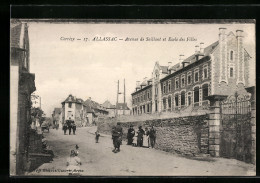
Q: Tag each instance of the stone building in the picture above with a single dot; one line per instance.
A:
(122, 109)
(95, 110)
(21, 87)
(57, 116)
(74, 109)
(218, 69)
(110, 108)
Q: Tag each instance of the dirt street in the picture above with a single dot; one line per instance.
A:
(99, 160)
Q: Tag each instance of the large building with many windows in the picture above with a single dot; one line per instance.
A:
(221, 68)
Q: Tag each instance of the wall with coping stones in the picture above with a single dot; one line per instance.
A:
(183, 135)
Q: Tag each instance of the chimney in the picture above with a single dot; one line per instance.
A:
(181, 59)
(197, 50)
(202, 48)
(223, 54)
(240, 57)
(137, 83)
(169, 67)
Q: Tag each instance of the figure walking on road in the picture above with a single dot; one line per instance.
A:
(97, 136)
(140, 134)
(117, 133)
(130, 135)
(152, 136)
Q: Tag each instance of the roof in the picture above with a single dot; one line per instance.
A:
(122, 106)
(94, 105)
(164, 69)
(108, 105)
(57, 110)
(73, 99)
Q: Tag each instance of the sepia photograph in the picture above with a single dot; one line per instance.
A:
(132, 98)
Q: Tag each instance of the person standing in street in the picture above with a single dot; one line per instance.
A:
(73, 126)
(64, 128)
(117, 133)
(69, 125)
(97, 136)
(140, 134)
(130, 135)
(152, 136)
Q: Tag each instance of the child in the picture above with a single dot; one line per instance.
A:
(73, 163)
(134, 141)
(97, 136)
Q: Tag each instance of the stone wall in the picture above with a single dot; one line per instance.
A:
(182, 135)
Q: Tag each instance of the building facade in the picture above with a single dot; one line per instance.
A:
(221, 68)
(110, 108)
(57, 116)
(74, 109)
(21, 87)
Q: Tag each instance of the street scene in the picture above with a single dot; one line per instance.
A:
(132, 99)
(98, 159)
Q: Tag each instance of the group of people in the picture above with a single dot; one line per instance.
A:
(69, 125)
(74, 162)
(142, 138)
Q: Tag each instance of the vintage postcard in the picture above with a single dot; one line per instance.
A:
(132, 98)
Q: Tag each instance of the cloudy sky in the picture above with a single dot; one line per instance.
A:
(91, 69)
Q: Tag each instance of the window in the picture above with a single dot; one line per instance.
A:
(196, 95)
(138, 99)
(156, 106)
(70, 105)
(148, 109)
(189, 78)
(141, 98)
(148, 94)
(144, 96)
(183, 98)
(164, 88)
(169, 86)
(231, 72)
(177, 100)
(182, 80)
(189, 98)
(169, 102)
(205, 72)
(196, 75)
(164, 103)
(231, 55)
(176, 83)
(205, 91)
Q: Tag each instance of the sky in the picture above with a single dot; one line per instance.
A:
(92, 68)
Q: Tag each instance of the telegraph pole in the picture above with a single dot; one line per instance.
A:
(124, 99)
(117, 93)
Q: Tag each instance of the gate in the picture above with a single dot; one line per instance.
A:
(235, 128)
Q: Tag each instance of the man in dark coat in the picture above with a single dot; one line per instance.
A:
(130, 135)
(73, 126)
(140, 134)
(152, 136)
(69, 125)
(64, 128)
(117, 133)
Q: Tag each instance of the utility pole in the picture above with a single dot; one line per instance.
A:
(117, 93)
(124, 99)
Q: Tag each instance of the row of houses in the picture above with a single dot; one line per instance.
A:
(218, 69)
(86, 112)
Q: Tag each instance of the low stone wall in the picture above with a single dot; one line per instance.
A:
(184, 135)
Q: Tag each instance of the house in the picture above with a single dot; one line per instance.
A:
(95, 110)
(110, 108)
(74, 109)
(221, 68)
(22, 85)
(57, 116)
(122, 109)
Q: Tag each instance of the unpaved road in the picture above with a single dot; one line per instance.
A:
(99, 160)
